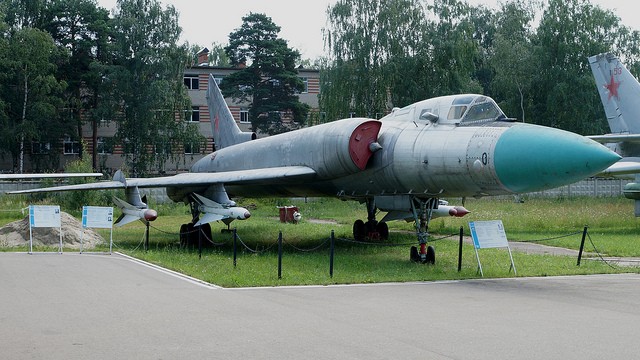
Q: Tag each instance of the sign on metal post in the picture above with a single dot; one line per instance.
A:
(489, 234)
(99, 217)
(43, 216)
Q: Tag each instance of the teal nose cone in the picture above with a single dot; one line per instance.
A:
(533, 158)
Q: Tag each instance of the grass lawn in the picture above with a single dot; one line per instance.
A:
(612, 228)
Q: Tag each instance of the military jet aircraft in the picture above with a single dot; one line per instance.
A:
(620, 94)
(403, 164)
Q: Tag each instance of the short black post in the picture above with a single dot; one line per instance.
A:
(146, 238)
(584, 236)
(331, 251)
(460, 250)
(235, 246)
(199, 242)
(280, 255)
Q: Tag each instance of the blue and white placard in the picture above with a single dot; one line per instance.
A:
(99, 217)
(44, 216)
(488, 234)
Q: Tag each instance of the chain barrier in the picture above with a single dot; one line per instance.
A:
(306, 250)
(554, 238)
(346, 240)
(599, 254)
(255, 251)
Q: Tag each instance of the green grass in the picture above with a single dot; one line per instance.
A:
(612, 227)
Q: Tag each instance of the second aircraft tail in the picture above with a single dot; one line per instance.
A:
(619, 92)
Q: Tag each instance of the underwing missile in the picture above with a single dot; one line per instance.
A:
(131, 213)
(212, 211)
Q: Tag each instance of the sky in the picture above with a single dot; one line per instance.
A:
(301, 22)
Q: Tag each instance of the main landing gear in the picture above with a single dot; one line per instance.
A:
(191, 235)
(372, 229)
(421, 211)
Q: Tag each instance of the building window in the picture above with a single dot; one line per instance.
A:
(104, 146)
(244, 115)
(191, 148)
(38, 148)
(194, 116)
(191, 81)
(305, 81)
(71, 146)
(163, 148)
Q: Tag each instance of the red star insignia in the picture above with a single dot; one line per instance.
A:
(612, 86)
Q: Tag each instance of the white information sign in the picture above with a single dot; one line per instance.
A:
(44, 216)
(489, 234)
(100, 217)
(97, 217)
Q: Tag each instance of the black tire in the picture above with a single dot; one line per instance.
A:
(207, 240)
(413, 254)
(191, 235)
(383, 230)
(431, 255)
(183, 236)
(359, 230)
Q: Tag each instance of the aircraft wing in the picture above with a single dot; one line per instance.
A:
(253, 176)
(625, 166)
(613, 138)
(47, 176)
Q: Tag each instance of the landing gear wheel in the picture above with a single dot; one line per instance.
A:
(205, 229)
(359, 230)
(184, 237)
(383, 230)
(431, 256)
(413, 254)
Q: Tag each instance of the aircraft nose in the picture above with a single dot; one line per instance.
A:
(533, 158)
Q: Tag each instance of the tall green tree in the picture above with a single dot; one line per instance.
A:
(82, 28)
(267, 77)
(512, 57)
(148, 80)
(32, 95)
(370, 44)
(569, 32)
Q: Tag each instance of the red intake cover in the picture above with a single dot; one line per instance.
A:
(363, 136)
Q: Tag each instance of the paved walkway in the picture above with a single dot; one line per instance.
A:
(73, 306)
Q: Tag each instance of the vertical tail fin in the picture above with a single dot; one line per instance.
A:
(225, 130)
(619, 92)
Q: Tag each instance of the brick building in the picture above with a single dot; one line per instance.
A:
(195, 79)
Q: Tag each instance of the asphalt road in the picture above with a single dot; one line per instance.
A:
(75, 306)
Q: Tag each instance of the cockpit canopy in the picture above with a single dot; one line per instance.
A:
(464, 109)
